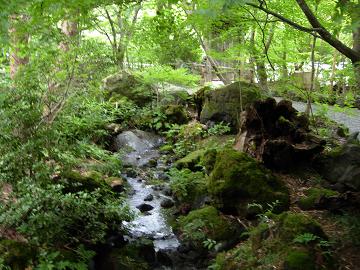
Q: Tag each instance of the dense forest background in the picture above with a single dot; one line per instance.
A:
(59, 112)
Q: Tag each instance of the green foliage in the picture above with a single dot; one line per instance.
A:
(47, 216)
(305, 238)
(219, 129)
(205, 223)
(209, 243)
(166, 74)
(56, 260)
(187, 185)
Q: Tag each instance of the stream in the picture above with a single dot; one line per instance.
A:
(150, 222)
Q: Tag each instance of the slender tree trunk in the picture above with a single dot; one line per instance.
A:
(19, 39)
(262, 74)
(333, 70)
(356, 47)
(312, 80)
(284, 69)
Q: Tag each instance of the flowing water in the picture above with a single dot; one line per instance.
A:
(151, 224)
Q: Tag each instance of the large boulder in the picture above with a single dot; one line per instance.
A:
(238, 180)
(176, 114)
(225, 104)
(127, 85)
(341, 167)
(277, 135)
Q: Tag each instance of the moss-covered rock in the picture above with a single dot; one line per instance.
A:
(16, 255)
(127, 85)
(341, 167)
(290, 225)
(299, 259)
(237, 179)
(190, 161)
(313, 196)
(176, 114)
(223, 104)
(274, 245)
(75, 181)
(206, 223)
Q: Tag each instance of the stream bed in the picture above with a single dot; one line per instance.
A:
(147, 200)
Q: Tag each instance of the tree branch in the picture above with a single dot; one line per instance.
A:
(318, 29)
(326, 35)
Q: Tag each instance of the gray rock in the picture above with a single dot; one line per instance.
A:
(149, 198)
(144, 207)
(136, 140)
(341, 167)
(167, 203)
(167, 191)
(223, 104)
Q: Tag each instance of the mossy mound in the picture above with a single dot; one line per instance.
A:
(313, 196)
(237, 179)
(176, 114)
(273, 246)
(206, 223)
(127, 85)
(16, 255)
(299, 259)
(223, 104)
(290, 225)
(74, 181)
(191, 161)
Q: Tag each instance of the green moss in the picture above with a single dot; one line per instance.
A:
(299, 260)
(291, 225)
(176, 114)
(191, 160)
(313, 195)
(166, 148)
(15, 254)
(223, 104)
(209, 159)
(206, 223)
(276, 247)
(238, 178)
(74, 181)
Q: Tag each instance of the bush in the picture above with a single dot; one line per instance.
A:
(46, 216)
(187, 185)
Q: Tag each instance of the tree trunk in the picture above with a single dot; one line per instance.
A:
(356, 47)
(262, 74)
(333, 70)
(70, 30)
(284, 70)
(19, 39)
(312, 80)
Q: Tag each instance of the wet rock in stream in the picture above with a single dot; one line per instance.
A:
(144, 207)
(149, 198)
(167, 203)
